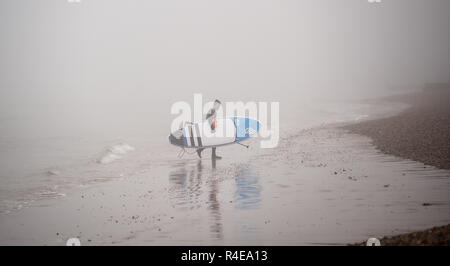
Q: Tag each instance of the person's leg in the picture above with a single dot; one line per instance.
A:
(214, 154)
(199, 152)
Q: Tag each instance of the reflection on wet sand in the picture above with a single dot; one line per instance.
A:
(188, 181)
(248, 190)
(185, 185)
(214, 206)
(186, 192)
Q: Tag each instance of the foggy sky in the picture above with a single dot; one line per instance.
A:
(97, 58)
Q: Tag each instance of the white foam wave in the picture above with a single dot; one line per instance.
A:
(361, 117)
(114, 153)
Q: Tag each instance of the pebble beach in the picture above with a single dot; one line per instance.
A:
(420, 133)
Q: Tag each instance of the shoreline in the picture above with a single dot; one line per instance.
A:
(435, 236)
(317, 195)
(419, 133)
(156, 205)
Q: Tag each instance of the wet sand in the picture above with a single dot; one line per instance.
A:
(420, 133)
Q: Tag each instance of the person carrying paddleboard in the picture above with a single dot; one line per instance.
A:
(211, 117)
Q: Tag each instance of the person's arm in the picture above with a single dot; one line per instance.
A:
(211, 115)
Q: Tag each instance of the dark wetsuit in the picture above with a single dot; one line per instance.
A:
(211, 117)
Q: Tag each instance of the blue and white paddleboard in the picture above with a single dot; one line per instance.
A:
(227, 131)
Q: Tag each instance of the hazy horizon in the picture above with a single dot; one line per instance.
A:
(93, 62)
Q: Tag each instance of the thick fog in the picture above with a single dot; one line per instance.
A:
(68, 67)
